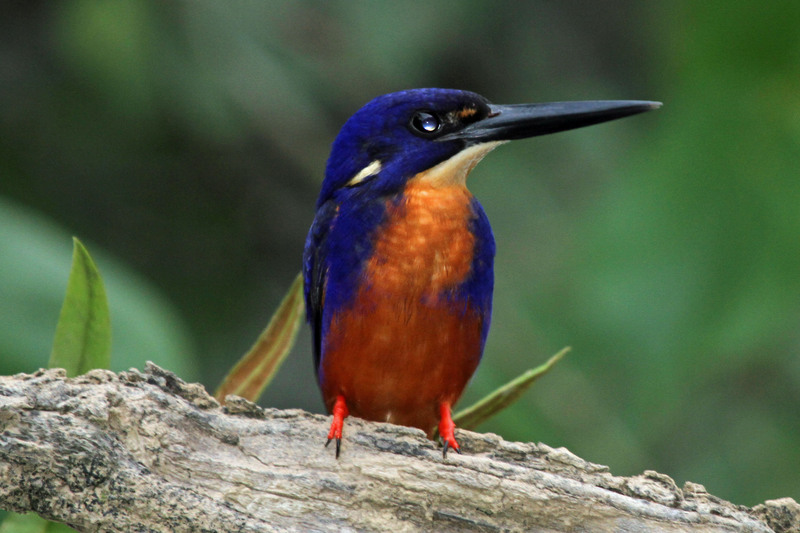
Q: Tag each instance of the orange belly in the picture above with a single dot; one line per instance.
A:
(404, 344)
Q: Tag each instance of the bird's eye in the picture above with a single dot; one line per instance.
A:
(425, 122)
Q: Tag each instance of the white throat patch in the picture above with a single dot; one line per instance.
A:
(454, 171)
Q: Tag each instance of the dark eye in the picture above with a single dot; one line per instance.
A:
(425, 122)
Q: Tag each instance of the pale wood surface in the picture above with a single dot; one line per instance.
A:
(144, 451)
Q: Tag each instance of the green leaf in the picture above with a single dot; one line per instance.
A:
(501, 398)
(83, 334)
(146, 324)
(255, 370)
(31, 523)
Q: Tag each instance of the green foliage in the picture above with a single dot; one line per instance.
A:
(490, 405)
(257, 367)
(33, 260)
(83, 334)
(31, 523)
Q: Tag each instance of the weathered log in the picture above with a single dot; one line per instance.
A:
(145, 451)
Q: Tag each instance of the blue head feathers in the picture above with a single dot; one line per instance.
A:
(396, 136)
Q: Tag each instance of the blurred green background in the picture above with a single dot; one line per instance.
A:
(184, 143)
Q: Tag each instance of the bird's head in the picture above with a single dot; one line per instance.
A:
(440, 135)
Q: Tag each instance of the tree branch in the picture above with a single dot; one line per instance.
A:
(147, 452)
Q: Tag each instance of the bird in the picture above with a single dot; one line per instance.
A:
(398, 263)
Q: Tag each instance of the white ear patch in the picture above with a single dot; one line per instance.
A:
(369, 170)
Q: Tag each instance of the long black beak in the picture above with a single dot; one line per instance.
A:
(518, 121)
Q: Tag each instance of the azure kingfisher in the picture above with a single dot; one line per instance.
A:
(398, 263)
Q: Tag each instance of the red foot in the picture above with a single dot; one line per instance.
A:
(447, 429)
(340, 412)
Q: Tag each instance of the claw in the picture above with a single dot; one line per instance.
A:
(340, 412)
(338, 445)
(447, 429)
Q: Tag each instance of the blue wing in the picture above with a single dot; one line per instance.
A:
(315, 271)
(338, 243)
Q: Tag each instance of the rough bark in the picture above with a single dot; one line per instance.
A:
(144, 451)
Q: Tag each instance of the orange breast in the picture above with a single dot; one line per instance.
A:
(402, 347)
